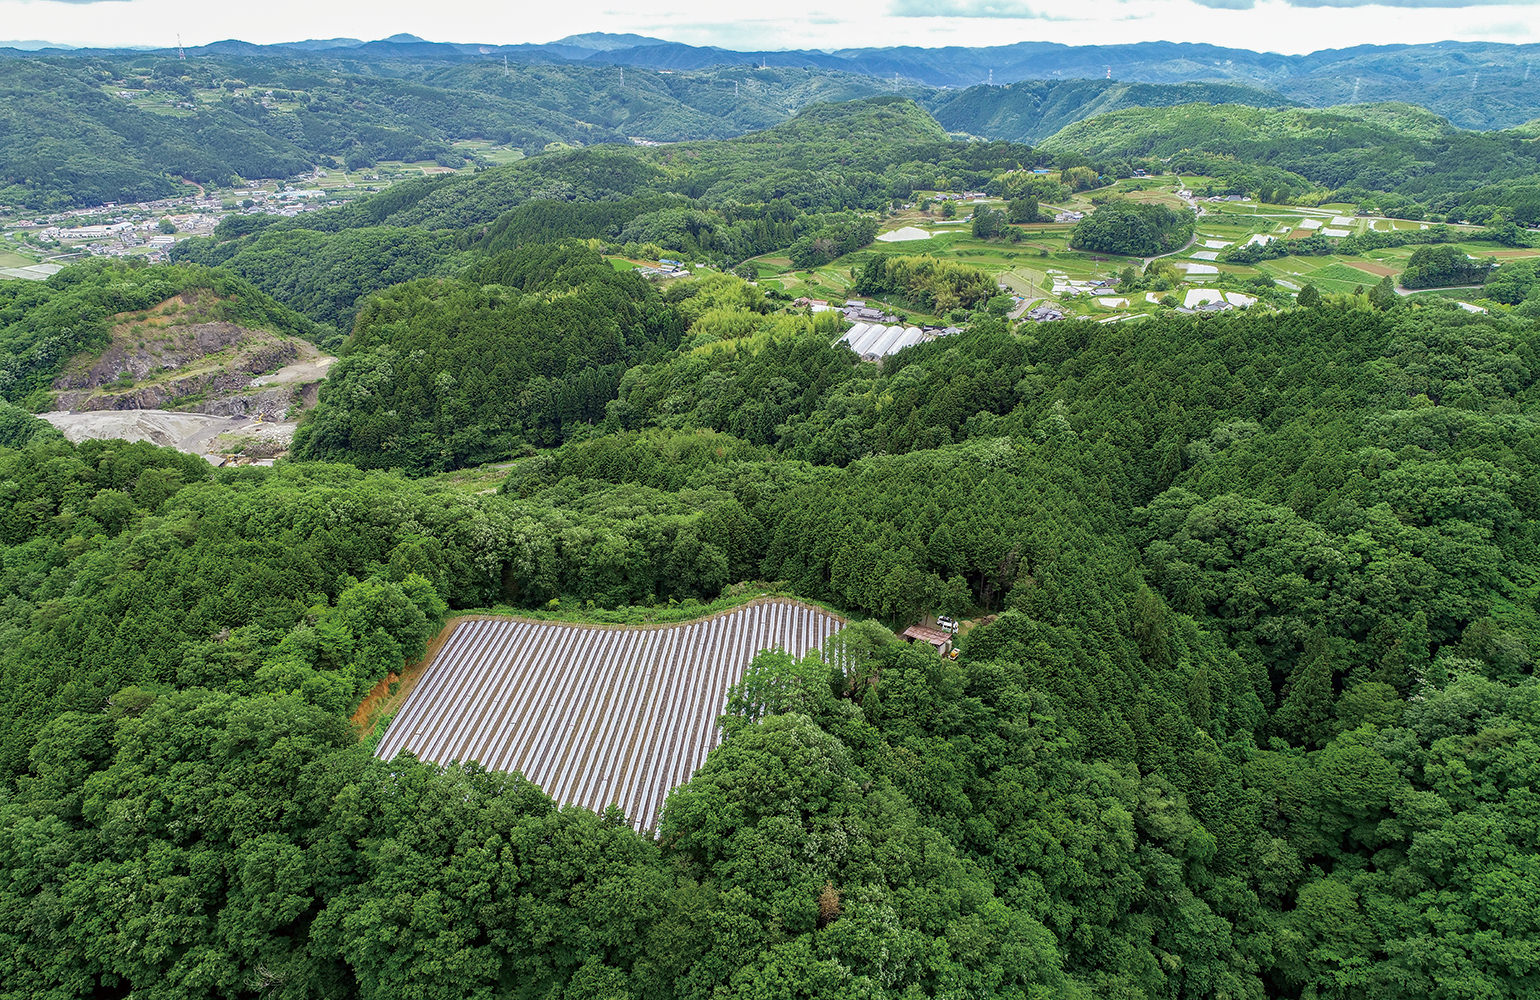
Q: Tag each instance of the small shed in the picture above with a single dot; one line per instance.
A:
(935, 637)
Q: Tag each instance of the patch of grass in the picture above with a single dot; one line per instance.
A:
(479, 480)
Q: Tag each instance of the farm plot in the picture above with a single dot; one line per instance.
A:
(594, 715)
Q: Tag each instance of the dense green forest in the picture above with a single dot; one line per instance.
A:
(1247, 708)
(1397, 158)
(443, 374)
(1254, 719)
(1429, 267)
(1033, 110)
(130, 127)
(1133, 229)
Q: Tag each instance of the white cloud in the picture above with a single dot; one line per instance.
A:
(1007, 9)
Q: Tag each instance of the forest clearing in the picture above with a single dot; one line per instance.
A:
(593, 714)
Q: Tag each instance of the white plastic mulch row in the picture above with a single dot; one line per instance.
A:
(594, 715)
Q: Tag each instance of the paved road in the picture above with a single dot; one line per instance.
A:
(1440, 288)
(1197, 210)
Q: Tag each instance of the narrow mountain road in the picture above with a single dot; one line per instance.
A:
(1440, 288)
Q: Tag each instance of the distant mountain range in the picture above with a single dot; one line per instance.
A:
(1480, 85)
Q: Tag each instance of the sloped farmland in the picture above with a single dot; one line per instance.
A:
(592, 714)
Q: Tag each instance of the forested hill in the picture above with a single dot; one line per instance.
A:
(1035, 109)
(44, 325)
(859, 154)
(117, 127)
(93, 127)
(1480, 85)
(1354, 150)
(1256, 717)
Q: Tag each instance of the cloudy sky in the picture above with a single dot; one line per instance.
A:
(1277, 25)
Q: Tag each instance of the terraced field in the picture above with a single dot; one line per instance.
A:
(593, 714)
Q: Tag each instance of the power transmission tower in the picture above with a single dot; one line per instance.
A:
(179, 53)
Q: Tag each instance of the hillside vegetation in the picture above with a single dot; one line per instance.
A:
(1397, 156)
(71, 319)
(1280, 792)
(130, 127)
(126, 126)
(1033, 110)
(1244, 702)
(725, 201)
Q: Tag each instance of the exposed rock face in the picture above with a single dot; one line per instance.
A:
(216, 368)
(181, 376)
(175, 347)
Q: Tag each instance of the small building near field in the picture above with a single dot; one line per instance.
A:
(934, 637)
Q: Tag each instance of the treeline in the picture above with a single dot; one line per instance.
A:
(1317, 244)
(832, 241)
(323, 275)
(1431, 267)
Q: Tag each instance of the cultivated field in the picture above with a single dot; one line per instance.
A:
(593, 714)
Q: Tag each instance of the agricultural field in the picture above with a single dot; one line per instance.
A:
(1041, 267)
(594, 715)
(489, 151)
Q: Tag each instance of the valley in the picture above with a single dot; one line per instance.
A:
(618, 519)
